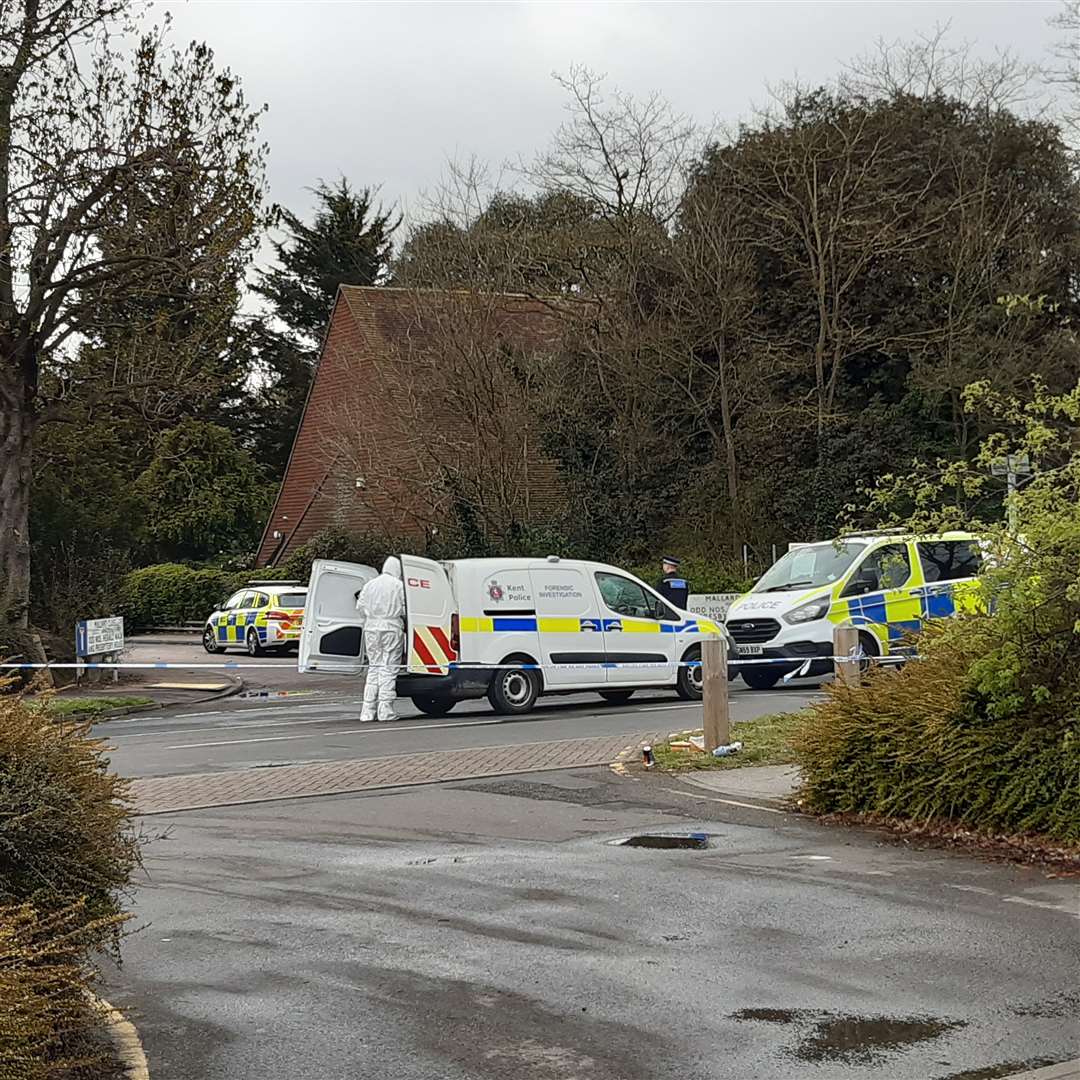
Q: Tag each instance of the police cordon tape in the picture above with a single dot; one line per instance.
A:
(232, 665)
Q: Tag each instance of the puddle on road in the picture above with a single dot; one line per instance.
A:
(852, 1039)
(770, 1016)
(666, 841)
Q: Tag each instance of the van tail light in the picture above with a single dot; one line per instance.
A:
(455, 634)
(279, 616)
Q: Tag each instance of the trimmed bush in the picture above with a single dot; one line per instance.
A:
(48, 1023)
(931, 743)
(171, 594)
(65, 821)
(67, 852)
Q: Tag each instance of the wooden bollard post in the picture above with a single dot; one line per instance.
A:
(845, 646)
(717, 718)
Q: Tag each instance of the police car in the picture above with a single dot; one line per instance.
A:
(263, 615)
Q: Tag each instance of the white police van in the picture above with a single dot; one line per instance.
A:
(886, 584)
(512, 629)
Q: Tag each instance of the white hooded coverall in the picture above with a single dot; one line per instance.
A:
(381, 605)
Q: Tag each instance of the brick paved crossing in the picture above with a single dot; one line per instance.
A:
(168, 794)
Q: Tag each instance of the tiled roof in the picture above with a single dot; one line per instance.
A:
(413, 398)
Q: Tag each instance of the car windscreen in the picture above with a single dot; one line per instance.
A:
(291, 599)
(809, 567)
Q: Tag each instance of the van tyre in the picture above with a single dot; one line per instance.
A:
(761, 678)
(434, 706)
(688, 683)
(871, 648)
(254, 646)
(210, 642)
(514, 690)
(616, 697)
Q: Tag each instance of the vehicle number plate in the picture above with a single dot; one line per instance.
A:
(749, 650)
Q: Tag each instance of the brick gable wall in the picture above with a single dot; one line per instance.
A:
(410, 396)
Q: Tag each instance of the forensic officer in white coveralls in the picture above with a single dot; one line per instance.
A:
(381, 604)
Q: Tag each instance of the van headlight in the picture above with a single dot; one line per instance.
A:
(815, 609)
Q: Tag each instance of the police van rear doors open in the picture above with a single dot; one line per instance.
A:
(332, 639)
(430, 617)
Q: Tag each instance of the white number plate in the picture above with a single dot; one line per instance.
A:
(749, 650)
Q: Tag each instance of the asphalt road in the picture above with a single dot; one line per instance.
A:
(253, 731)
(488, 930)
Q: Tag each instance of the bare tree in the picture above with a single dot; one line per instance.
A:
(835, 194)
(455, 442)
(1065, 71)
(85, 134)
(930, 65)
(624, 156)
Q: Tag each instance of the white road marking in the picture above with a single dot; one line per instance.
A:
(727, 802)
(1041, 904)
(367, 729)
(231, 727)
(814, 858)
(669, 708)
(1045, 905)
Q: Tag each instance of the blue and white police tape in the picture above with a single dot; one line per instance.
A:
(232, 665)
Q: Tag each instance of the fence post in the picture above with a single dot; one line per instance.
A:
(845, 646)
(717, 719)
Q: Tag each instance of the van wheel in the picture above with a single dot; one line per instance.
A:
(254, 646)
(616, 697)
(871, 648)
(761, 678)
(434, 706)
(689, 684)
(514, 691)
(210, 642)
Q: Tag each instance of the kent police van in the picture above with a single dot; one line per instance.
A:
(885, 584)
(511, 630)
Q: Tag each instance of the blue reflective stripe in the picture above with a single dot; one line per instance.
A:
(612, 624)
(592, 624)
(513, 624)
(938, 605)
(874, 609)
(905, 626)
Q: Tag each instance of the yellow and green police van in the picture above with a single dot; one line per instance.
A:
(888, 585)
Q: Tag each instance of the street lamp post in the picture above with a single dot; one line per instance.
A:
(1011, 467)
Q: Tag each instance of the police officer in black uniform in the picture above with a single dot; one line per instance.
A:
(673, 587)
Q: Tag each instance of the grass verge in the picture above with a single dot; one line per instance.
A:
(766, 741)
(89, 707)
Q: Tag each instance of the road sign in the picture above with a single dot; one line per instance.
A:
(95, 637)
(1019, 463)
(999, 466)
(712, 605)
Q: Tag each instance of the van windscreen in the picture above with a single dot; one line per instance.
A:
(809, 567)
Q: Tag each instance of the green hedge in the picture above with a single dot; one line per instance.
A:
(171, 594)
(930, 743)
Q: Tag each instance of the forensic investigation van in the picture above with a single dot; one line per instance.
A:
(511, 629)
(886, 584)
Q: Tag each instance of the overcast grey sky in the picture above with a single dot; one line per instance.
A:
(384, 92)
